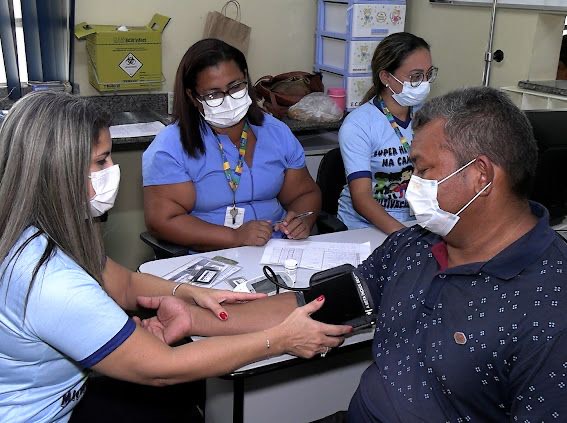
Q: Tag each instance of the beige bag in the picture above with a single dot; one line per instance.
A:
(231, 31)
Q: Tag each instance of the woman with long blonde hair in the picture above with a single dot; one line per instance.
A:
(62, 299)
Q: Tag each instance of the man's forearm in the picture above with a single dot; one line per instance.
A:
(244, 318)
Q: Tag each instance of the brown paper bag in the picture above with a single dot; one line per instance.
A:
(231, 31)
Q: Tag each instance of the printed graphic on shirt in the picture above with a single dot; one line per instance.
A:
(390, 188)
(73, 395)
(393, 156)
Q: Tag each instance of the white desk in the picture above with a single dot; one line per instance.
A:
(284, 388)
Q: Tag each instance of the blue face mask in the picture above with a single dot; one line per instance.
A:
(411, 96)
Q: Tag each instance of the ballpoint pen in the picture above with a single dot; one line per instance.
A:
(299, 216)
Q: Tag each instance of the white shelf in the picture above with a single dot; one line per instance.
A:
(535, 100)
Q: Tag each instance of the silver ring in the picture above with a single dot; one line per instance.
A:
(323, 354)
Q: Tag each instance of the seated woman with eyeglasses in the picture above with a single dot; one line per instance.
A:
(376, 137)
(224, 173)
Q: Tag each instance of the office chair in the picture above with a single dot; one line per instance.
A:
(550, 131)
(331, 180)
(163, 249)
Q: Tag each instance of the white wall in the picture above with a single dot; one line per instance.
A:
(459, 36)
(282, 37)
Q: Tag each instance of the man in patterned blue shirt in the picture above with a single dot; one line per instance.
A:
(471, 303)
(470, 306)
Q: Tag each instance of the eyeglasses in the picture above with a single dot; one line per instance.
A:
(216, 98)
(416, 78)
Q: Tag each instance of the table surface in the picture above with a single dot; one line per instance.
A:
(249, 259)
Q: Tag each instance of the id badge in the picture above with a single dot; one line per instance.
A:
(235, 222)
(205, 276)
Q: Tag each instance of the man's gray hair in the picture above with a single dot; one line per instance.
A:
(45, 153)
(484, 121)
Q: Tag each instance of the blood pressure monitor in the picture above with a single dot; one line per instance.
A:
(263, 285)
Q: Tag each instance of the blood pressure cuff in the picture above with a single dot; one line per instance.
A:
(347, 297)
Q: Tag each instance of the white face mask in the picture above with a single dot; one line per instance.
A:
(421, 195)
(229, 113)
(411, 96)
(105, 184)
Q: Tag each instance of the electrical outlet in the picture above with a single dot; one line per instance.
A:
(169, 103)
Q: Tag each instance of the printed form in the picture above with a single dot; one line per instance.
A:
(315, 255)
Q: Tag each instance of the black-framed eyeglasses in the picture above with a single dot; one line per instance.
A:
(416, 78)
(216, 98)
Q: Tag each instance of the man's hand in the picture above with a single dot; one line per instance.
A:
(173, 319)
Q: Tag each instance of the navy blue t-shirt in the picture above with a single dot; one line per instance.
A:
(479, 342)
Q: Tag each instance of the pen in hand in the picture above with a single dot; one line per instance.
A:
(299, 216)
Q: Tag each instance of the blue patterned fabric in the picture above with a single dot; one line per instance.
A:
(479, 342)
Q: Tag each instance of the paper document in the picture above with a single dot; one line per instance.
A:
(315, 255)
(202, 271)
(132, 130)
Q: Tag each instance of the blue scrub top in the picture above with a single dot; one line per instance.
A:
(276, 150)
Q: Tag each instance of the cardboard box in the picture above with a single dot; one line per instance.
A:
(124, 58)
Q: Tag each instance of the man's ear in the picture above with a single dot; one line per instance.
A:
(486, 174)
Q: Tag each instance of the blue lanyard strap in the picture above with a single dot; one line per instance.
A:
(233, 177)
(394, 125)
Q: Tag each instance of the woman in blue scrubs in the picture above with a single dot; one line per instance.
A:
(224, 173)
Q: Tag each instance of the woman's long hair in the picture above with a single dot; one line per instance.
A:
(201, 55)
(389, 55)
(45, 152)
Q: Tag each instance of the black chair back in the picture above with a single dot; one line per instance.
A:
(331, 180)
(163, 249)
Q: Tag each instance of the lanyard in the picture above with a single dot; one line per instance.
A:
(233, 177)
(395, 127)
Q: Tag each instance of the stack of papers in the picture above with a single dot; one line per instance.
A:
(315, 255)
(133, 130)
(50, 86)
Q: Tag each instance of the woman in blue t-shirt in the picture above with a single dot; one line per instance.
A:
(375, 138)
(62, 299)
(224, 173)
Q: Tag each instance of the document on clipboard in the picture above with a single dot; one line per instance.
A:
(202, 272)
